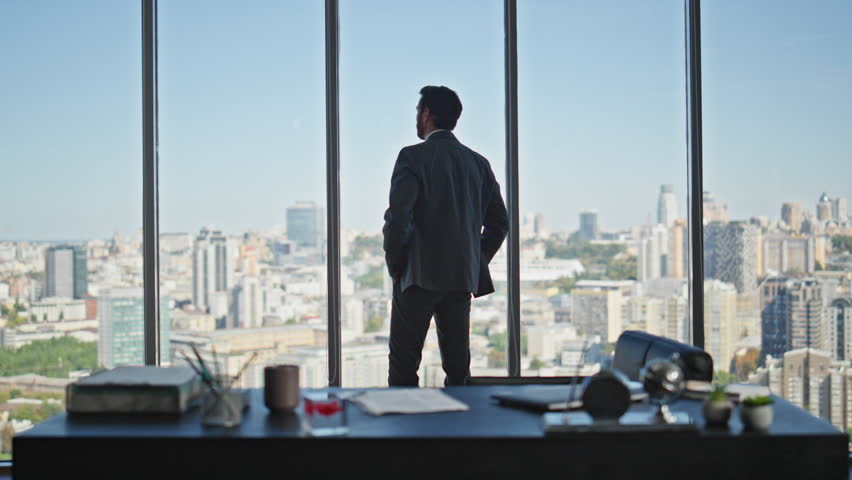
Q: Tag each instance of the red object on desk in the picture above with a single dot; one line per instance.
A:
(325, 408)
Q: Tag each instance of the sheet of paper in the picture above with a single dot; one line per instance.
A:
(407, 400)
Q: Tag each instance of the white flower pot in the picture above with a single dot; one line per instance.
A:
(756, 418)
(717, 413)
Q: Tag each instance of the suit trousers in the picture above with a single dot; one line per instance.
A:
(411, 313)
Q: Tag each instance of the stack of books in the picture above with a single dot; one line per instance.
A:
(135, 389)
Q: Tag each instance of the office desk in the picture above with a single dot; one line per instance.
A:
(486, 442)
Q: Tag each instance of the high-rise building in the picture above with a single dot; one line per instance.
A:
(792, 315)
(838, 209)
(678, 260)
(720, 322)
(730, 253)
(249, 303)
(588, 226)
(791, 213)
(538, 226)
(121, 327)
(666, 206)
(597, 311)
(824, 208)
(840, 395)
(839, 328)
(714, 211)
(774, 314)
(822, 248)
(806, 380)
(305, 224)
(785, 253)
(65, 272)
(212, 269)
(807, 311)
(653, 259)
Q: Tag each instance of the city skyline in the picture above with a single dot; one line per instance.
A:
(650, 219)
(239, 161)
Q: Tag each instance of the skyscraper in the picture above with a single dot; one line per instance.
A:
(653, 259)
(805, 380)
(806, 314)
(249, 303)
(588, 225)
(212, 267)
(678, 261)
(840, 395)
(792, 315)
(838, 209)
(791, 213)
(824, 208)
(65, 271)
(121, 327)
(774, 314)
(720, 322)
(305, 224)
(666, 206)
(730, 253)
(839, 334)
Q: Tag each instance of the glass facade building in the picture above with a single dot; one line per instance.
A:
(121, 328)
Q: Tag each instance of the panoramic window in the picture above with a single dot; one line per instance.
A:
(602, 173)
(777, 233)
(389, 51)
(71, 227)
(242, 184)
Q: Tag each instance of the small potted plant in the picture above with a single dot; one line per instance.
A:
(717, 408)
(756, 413)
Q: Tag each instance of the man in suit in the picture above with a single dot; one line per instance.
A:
(445, 223)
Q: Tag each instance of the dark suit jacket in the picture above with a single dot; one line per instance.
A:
(446, 218)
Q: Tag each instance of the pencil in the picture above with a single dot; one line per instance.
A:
(216, 363)
(242, 369)
(201, 363)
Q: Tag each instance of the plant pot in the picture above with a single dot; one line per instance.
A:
(756, 418)
(717, 413)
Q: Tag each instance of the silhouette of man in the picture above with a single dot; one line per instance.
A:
(445, 222)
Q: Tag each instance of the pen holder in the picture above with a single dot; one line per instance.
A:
(222, 408)
(325, 415)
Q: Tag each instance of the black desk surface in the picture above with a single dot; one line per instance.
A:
(486, 440)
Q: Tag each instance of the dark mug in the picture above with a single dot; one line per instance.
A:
(281, 387)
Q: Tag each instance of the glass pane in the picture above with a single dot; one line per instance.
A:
(390, 50)
(242, 185)
(70, 229)
(777, 231)
(602, 178)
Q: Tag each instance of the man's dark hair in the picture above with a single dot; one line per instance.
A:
(444, 104)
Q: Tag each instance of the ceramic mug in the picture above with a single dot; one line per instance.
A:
(281, 387)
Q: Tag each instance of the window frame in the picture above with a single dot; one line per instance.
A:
(150, 163)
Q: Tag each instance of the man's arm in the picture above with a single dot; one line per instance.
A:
(399, 217)
(495, 224)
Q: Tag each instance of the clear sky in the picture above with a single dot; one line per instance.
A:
(242, 112)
